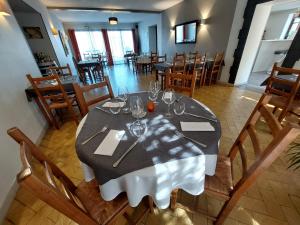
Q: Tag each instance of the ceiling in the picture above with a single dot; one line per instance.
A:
(94, 16)
(147, 5)
(20, 6)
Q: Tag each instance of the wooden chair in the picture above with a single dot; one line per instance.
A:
(179, 63)
(192, 55)
(83, 103)
(253, 163)
(98, 71)
(154, 59)
(162, 58)
(83, 203)
(52, 96)
(199, 68)
(284, 98)
(214, 71)
(62, 71)
(181, 82)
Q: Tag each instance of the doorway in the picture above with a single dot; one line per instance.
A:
(152, 31)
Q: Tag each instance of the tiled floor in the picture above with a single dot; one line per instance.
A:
(274, 198)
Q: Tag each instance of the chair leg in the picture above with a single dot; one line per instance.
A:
(73, 114)
(174, 198)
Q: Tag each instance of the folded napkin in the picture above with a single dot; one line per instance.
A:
(110, 143)
(196, 126)
(113, 104)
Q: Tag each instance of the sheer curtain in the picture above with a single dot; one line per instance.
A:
(120, 42)
(90, 42)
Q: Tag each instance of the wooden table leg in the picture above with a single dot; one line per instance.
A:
(41, 107)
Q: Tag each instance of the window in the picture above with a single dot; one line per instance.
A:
(90, 42)
(294, 26)
(120, 42)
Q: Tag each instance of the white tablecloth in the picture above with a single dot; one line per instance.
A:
(159, 180)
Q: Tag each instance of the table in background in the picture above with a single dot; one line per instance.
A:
(159, 164)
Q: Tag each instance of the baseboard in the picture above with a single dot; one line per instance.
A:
(15, 186)
(8, 200)
(225, 83)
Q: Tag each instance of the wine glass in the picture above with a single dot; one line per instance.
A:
(138, 128)
(154, 89)
(179, 107)
(169, 98)
(123, 95)
(115, 106)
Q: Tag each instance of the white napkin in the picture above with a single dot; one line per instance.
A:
(196, 126)
(113, 104)
(110, 143)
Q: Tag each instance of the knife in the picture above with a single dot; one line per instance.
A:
(125, 153)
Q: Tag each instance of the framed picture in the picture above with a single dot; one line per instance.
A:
(63, 42)
(33, 32)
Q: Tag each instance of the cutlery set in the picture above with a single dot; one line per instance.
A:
(179, 134)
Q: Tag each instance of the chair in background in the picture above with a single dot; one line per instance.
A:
(179, 63)
(98, 71)
(253, 163)
(95, 55)
(213, 72)
(181, 82)
(153, 59)
(192, 55)
(62, 71)
(53, 97)
(199, 68)
(80, 91)
(129, 56)
(83, 203)
(86, 55)
(284, 92)
(82, 72)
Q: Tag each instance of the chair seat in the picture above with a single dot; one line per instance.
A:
(100, 210)
(62, 104)
(221, 183)
(280, 102)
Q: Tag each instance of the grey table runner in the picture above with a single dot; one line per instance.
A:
(159, 146)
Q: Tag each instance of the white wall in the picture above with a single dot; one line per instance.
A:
(277, 24)
(237, 24)
(16, 60)
(50, 21)
(258, 24)
(256, 31)
(28, 19)
(266, 57)
(144, 33)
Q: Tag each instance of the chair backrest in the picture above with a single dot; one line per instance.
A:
(218, 60)
(179, 63)
(181, 82)
(80, 91)
(254, 162)
(162, 58)
(198, 65)
(154, 57)
(86, 55)
(192, 55)
(288, 89)
(61, 71)
(46, 181)
(49, 89)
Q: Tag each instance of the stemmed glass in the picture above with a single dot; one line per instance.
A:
(137, 109)
(169, 98)
(154, 90)
(123, 96)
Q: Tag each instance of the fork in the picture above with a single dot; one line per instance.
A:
(181, 135)
(94, 135)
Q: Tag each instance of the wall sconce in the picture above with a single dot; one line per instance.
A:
(172, 29)
(4, 11)
(54, 31)
(202, 21)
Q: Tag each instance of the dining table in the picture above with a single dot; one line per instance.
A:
(161, 160)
